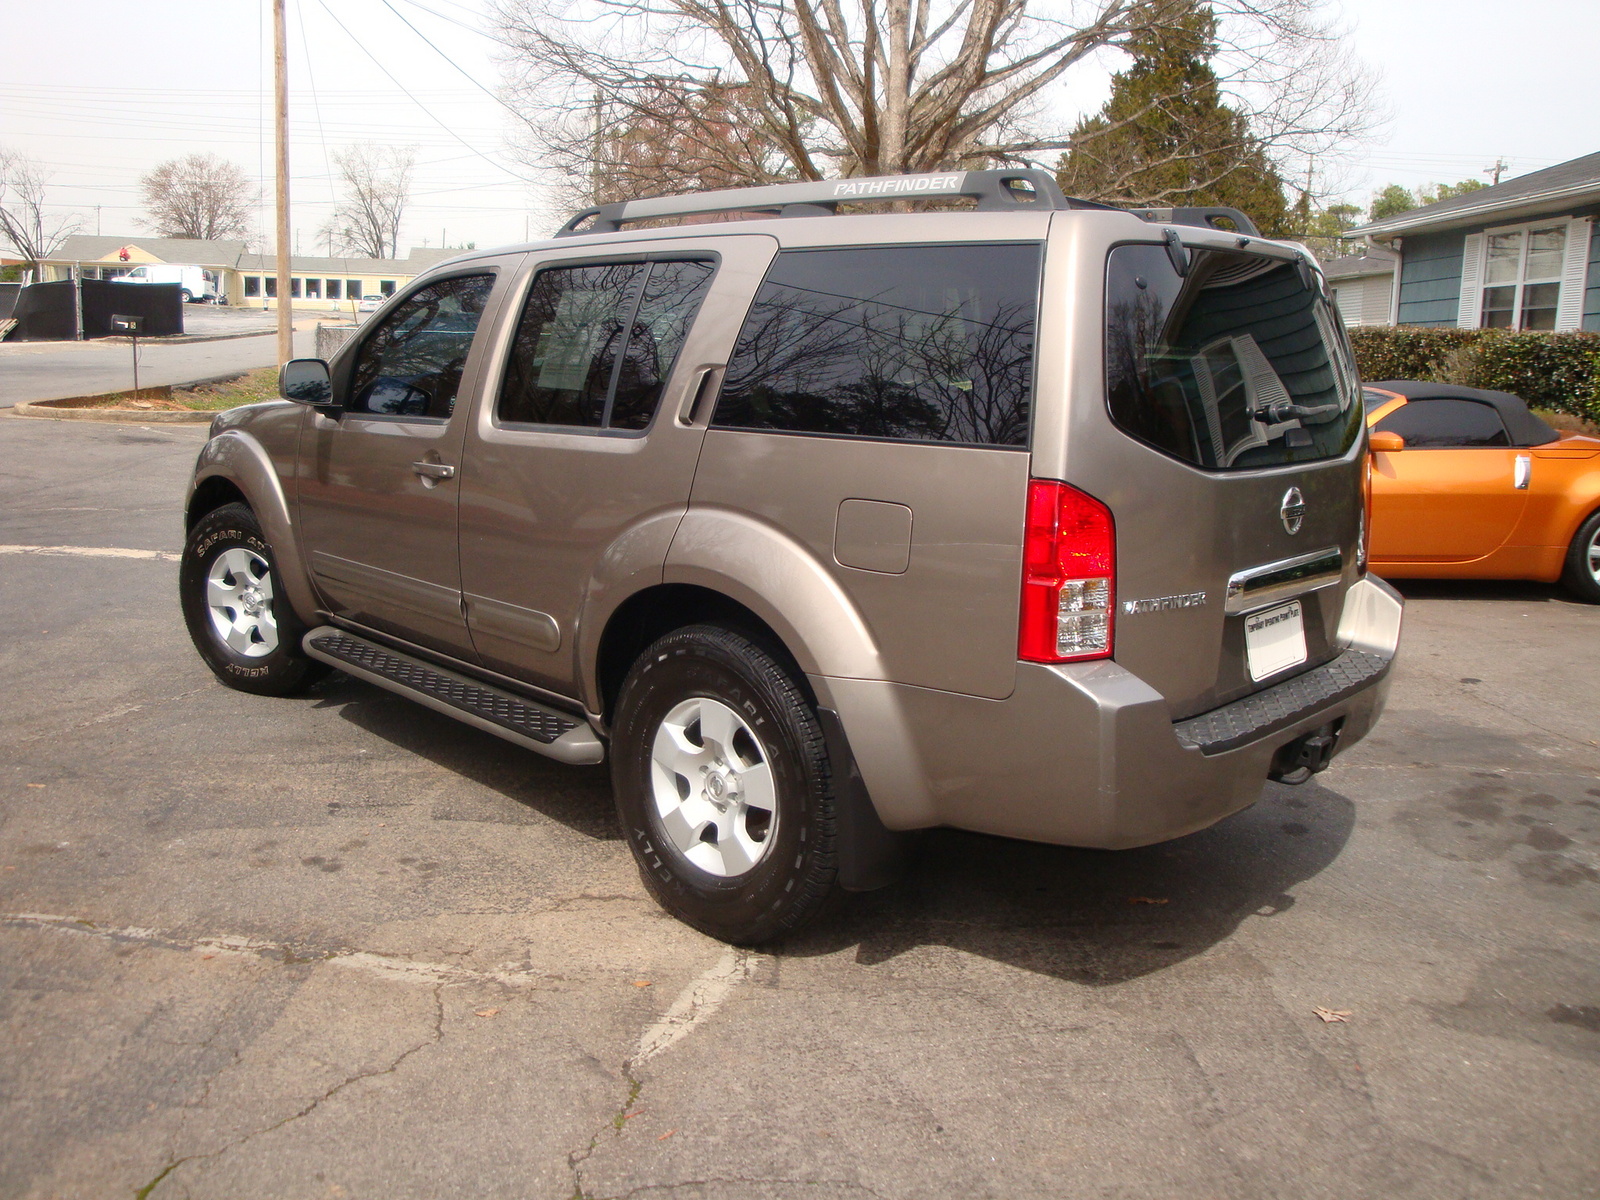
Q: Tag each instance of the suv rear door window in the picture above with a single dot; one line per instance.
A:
(1236, 364)
(595, 344)
(913, 343)
(1446, 424)
(411, 364)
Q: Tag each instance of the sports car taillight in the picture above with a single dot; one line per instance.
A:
(1069, 572)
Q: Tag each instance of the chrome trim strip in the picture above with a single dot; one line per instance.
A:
(1256, 587)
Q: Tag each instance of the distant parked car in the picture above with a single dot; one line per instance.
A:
(1468, 484)
(371, 304)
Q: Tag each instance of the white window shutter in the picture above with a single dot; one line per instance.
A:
(1471, 282)
(1569, 311)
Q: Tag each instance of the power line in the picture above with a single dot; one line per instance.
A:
(455, 21)
(463, 71)
(414, 100)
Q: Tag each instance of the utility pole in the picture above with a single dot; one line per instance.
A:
(1500, 165)
(280, 123)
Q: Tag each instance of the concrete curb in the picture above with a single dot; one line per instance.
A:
(185, 339)
(76, 408)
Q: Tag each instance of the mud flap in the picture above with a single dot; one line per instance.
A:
(870, 856)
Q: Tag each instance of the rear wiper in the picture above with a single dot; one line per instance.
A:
(1280, 411)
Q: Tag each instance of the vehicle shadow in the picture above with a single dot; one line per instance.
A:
(1484, 589)
(577, 797)
(1096, 917)
(1089, 916)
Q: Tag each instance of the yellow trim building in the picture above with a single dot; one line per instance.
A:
(243, 279)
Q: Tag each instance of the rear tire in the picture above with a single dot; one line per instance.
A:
(233, 603)
(1582, 575)
(723, 786)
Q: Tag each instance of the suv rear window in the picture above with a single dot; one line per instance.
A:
(912, 343)
(1235, 365)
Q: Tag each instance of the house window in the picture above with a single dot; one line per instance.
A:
(272, 287)
(294, 287)
(352, 288)
(386, 287)
(313, 289)
(1522, 277)
(334, 289)
(252, 286)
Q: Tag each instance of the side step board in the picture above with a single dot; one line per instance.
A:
(547, 731)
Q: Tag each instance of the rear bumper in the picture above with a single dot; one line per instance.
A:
(1088, 755)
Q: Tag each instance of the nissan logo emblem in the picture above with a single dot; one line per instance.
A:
(1293, 510)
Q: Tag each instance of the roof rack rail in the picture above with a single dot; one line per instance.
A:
(995, 191)
(1206, 218)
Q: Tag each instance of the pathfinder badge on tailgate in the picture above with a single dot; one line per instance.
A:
(1164, 603)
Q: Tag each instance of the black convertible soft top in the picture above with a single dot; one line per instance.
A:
(1525, 428)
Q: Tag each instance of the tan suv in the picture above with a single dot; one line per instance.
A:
(1042, 520)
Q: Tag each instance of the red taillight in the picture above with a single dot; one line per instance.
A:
(1069, 575)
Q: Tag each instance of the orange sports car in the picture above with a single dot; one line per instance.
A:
(1468, 484)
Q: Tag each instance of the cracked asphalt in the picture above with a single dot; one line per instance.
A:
(339, 946)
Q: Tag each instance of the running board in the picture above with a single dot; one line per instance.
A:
(547, 731)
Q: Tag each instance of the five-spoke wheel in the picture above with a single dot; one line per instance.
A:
(722, 785)
(234, 607)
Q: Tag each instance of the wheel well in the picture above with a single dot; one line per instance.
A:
(212, 494)
(657, 611)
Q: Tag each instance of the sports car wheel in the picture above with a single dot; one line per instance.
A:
(234, 607)
(1582, 575)
(722, 786)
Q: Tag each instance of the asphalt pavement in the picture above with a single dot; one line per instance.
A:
(33, 371)
(339, 946)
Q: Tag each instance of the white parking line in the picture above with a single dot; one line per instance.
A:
(696, 1003)
(93, 552)
(402, 970)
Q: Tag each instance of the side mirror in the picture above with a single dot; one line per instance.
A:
(306, 381)
(1385, 441)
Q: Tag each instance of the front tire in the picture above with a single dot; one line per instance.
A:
(723, 786)
(186, 296)
(1582, 575)
(234, 606)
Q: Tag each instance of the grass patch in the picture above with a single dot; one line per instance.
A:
(250, 388)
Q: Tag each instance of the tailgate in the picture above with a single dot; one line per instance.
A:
(1229, 450)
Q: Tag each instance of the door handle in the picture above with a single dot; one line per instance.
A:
(1522, 472)
(433, 470)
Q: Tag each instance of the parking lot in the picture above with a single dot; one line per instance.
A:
(342, 946)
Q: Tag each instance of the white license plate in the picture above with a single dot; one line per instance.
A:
(1274, 640)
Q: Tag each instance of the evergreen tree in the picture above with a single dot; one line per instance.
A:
(1165, 138)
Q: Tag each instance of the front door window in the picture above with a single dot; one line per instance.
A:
(411, 364)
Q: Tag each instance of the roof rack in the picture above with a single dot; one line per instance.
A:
(1206, 218)
(995, 191)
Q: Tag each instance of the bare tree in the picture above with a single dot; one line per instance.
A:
(198, 196)
(846, 87)
(377, 187)
(23, 221)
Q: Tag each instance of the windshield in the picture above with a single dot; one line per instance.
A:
(1235, 364)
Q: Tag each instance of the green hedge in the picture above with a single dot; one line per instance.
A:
(1558, 371)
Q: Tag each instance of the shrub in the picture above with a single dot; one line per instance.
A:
(1557, 371)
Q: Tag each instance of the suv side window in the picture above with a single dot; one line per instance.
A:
(913, 343)
(595, 344)
(1441, 424)
(410, 365)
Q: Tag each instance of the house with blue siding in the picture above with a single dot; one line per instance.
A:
(1520, 255)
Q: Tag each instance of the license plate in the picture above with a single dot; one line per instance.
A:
(1274, 640)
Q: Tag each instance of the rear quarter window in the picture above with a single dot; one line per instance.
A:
(911, 343)
(1236, 364)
